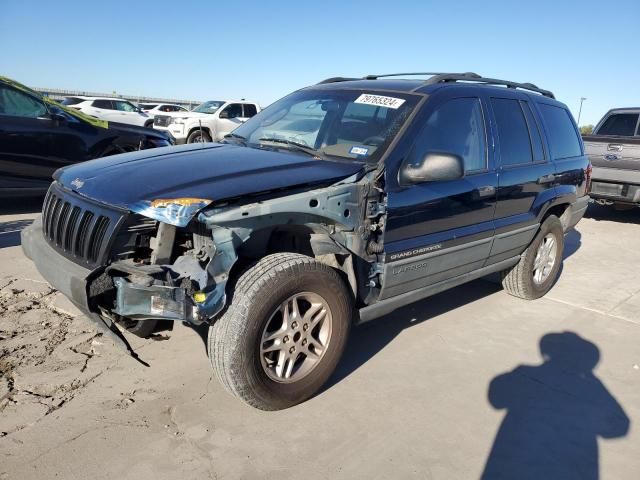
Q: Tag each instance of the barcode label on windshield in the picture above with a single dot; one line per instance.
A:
(380, 101)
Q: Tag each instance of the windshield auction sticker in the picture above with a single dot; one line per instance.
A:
(380, 101)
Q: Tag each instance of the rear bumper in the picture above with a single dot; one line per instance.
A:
(616, 185)
(575, 212)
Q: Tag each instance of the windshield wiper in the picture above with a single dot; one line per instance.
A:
(242, 140)
(296, 146)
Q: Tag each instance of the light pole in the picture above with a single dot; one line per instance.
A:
(582, 99)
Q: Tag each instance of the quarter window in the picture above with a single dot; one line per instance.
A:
(513, 135)
(456, 127)
(18, 104)
(534, 132)
(562, 134)
(622, 124)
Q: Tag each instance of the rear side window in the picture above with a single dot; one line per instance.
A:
(513, 134)
(623, 124)
(457, 127)
(106, 104)
(249, 110)
(563, 138)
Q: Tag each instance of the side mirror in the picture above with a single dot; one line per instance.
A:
(58, 119)
(224, 114)
(434, 167)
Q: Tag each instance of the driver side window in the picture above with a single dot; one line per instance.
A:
(19, 104)
(456, 126)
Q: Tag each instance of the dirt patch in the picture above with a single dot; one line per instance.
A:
(46, 356)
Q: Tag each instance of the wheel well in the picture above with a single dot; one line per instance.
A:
(293, 239)
(559, 211)
(204, 129)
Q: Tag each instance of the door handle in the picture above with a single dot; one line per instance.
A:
(547, 179)
(486, 191)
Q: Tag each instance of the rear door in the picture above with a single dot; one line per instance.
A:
(526, 176)
(440, 230)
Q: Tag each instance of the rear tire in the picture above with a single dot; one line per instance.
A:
(536, 272)
(195, 137)
(263, 365)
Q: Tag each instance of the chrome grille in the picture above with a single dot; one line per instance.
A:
(77, 228)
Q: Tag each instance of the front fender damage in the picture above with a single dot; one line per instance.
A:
(197, 293)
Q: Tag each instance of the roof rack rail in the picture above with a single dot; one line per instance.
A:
(337, 79)
(375, 77)
(474, 77)
(451, 77)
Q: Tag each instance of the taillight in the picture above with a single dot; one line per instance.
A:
(587, 174)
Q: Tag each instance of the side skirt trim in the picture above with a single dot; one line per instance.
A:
(384, 307)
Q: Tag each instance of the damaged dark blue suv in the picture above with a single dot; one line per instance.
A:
(337, 204)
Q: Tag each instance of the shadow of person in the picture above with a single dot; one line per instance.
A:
(555, 413)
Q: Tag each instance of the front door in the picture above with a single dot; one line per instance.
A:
(26, 164)
(230, 118)
(439, 230)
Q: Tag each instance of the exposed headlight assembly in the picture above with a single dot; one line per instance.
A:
(174, 211)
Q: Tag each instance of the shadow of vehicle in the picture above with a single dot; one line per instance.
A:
(572, 243)
(599, 213)
(10, 232)
(555, 413)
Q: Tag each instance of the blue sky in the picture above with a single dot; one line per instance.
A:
(263, 50)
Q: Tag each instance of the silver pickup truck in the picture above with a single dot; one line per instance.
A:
(614, 151)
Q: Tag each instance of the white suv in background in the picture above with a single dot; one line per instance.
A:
(153, 109)
(210, 121)
(110, 109)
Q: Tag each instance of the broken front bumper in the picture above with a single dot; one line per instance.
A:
(138, 302)
(62, 274)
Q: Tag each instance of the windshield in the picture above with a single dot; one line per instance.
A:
(344, 123)
(209, 107)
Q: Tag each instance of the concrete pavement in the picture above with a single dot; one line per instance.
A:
(441, 389)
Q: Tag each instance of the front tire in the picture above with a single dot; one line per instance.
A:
(198, 137)
(536, 272)
(283, 333)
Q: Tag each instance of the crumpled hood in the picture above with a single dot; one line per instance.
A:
(213, 171)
